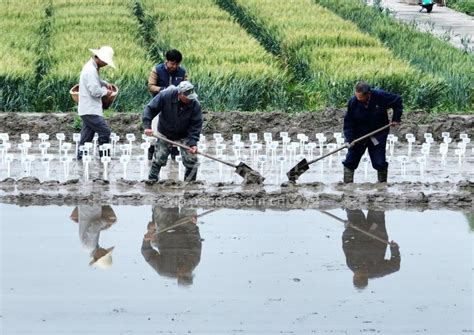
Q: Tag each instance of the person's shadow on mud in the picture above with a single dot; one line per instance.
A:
(92, 221)
(172, 245)
(364, 242)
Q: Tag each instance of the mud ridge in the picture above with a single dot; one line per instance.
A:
(30, 191)
(227, 123)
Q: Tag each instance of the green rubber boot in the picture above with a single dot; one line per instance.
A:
(382, 176)
(154, 174)
(348, 175)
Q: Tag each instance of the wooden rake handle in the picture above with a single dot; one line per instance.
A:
(375, 237)
(197, 152)
(350, 144)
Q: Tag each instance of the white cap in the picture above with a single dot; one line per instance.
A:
(187, 89)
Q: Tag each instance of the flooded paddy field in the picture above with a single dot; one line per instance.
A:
(86, 268)
(419, 176)
(97, 249)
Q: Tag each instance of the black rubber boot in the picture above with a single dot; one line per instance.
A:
(174, 152)
(190, 174)
(154, 172)
(382, 176)
(348, 175)
(151, 151)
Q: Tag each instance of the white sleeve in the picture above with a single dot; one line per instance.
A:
(94, 86)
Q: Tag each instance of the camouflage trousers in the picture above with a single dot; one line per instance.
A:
(162, 151)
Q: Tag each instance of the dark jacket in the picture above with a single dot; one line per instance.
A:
(166, 78)
(360, 120)
(179, 247)
(177, 120)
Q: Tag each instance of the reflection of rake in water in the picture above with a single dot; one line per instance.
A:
(375, 237)
(183, 221)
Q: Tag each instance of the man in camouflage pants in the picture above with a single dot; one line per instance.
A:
(180, 120)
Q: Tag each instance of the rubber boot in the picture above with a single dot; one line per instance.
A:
(151, 151)
(382, 176)
(154, 172)
(174, 152)
(348, 175)
(190, 174)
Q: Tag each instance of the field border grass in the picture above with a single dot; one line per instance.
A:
(148, 30)
(44, 60)
(272, 43)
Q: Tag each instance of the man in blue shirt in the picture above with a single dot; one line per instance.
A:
(366, 112)
(180, 120)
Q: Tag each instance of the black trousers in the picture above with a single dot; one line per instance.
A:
(92, 124)
(376, 153)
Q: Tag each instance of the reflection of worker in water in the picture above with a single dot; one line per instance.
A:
(172, 244)
(365, 255)
(92, 220)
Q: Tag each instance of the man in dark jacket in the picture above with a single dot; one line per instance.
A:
(180, 120)
(365, 256)
(168, 73)
(366, 112)
(164, 75)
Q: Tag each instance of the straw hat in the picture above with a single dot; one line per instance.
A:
(102, 258)
(105, 54)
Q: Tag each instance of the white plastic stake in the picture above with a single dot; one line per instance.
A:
(65, 147)
(85, 161)
(60, 137)
(105, 162)
(130, 138)
(94, 141)
(124, 159)
(8, 160)
(66, 160)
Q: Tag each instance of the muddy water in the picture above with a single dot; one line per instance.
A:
(234, 271)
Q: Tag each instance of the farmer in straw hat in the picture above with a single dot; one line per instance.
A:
(91, 91)
(92, 221)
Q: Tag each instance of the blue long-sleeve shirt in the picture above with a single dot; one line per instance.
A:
(177, 120)
(361, 120)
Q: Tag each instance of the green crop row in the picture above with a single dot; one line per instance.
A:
(230, 69)
(299, 54)
(19, 24)
(45, 47)
(428, 54)
(85, 24)
(329, 54)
